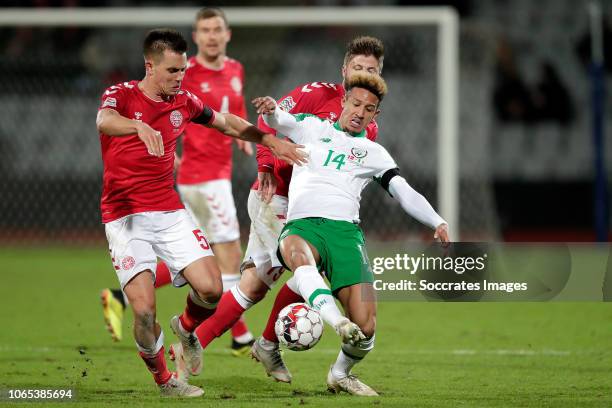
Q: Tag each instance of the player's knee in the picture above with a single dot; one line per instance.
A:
(212, 293)
(297, 258)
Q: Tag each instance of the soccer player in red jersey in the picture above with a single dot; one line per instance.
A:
(205, 170)
(267, 206)
(139, 124)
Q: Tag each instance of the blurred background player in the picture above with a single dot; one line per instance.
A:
(267, 207)
(205, 168)
(139, 124)
(324, 234)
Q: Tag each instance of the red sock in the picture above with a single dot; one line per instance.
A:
(157, 366)
(227, 314)
(239, 328)
(284, 297)
(162, 275)
(194, 314)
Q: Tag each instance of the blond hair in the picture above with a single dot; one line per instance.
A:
(370, 82)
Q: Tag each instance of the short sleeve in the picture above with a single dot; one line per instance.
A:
(114, 97)
(380, 162)
(195, 106)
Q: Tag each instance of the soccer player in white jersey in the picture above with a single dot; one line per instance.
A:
(268, 211)
(322, 231)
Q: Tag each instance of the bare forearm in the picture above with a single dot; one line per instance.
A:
(111, 123)
(239, 128)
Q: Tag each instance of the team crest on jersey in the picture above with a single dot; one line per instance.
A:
(137, 115)
(128, 263)
(112, 102)
(287, 104)
(176, 118)
(359, 153)
(204, 87)
(236, 84)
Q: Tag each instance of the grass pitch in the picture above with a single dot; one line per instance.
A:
(426, 355)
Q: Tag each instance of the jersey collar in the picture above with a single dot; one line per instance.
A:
(338, 127)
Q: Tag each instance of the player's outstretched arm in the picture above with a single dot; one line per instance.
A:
(235, 126)
(415, 204)
(276, 118)
(111, 123)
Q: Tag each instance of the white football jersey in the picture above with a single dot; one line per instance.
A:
(339, 167)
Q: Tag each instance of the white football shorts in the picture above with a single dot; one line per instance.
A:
(137, 240)
(212, 206)
(267, 222)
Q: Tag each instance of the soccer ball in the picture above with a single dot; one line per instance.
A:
(298, 327)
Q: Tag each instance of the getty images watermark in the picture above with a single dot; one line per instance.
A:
(458, 265)
(494, 272)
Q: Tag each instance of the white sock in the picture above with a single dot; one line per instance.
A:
(229, 281)
(292, 284)
(245, 303)
(241, 298)
(152, 349)
(312, 287)
(244, 338)
(350, 355)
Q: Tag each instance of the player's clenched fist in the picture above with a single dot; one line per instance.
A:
(152, 139)
(264, 105)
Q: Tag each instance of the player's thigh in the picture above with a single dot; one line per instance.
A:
(179, 242)
(346, 262)
(301, 243)
(267, 221)
(204, 276)
(212, 205)
(359, 304)
(130, 242)
(297, 251)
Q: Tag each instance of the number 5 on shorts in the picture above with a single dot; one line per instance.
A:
(201, 239)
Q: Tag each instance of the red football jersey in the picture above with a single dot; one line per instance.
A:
(133, 180)
(207, 153)
(318, 98)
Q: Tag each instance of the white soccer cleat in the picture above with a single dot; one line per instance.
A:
(191, 348)
(272, 361)
(176, 354)
(349, 331)
(350, 384)
(176, 388)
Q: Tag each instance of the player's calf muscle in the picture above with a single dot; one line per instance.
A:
(362, 313)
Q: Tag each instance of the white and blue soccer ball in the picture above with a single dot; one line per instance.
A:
(298, 327)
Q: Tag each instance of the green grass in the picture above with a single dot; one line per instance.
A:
(426, 355)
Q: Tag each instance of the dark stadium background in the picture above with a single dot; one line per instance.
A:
(537, 109)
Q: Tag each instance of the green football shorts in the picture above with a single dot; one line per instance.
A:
(341, 246)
